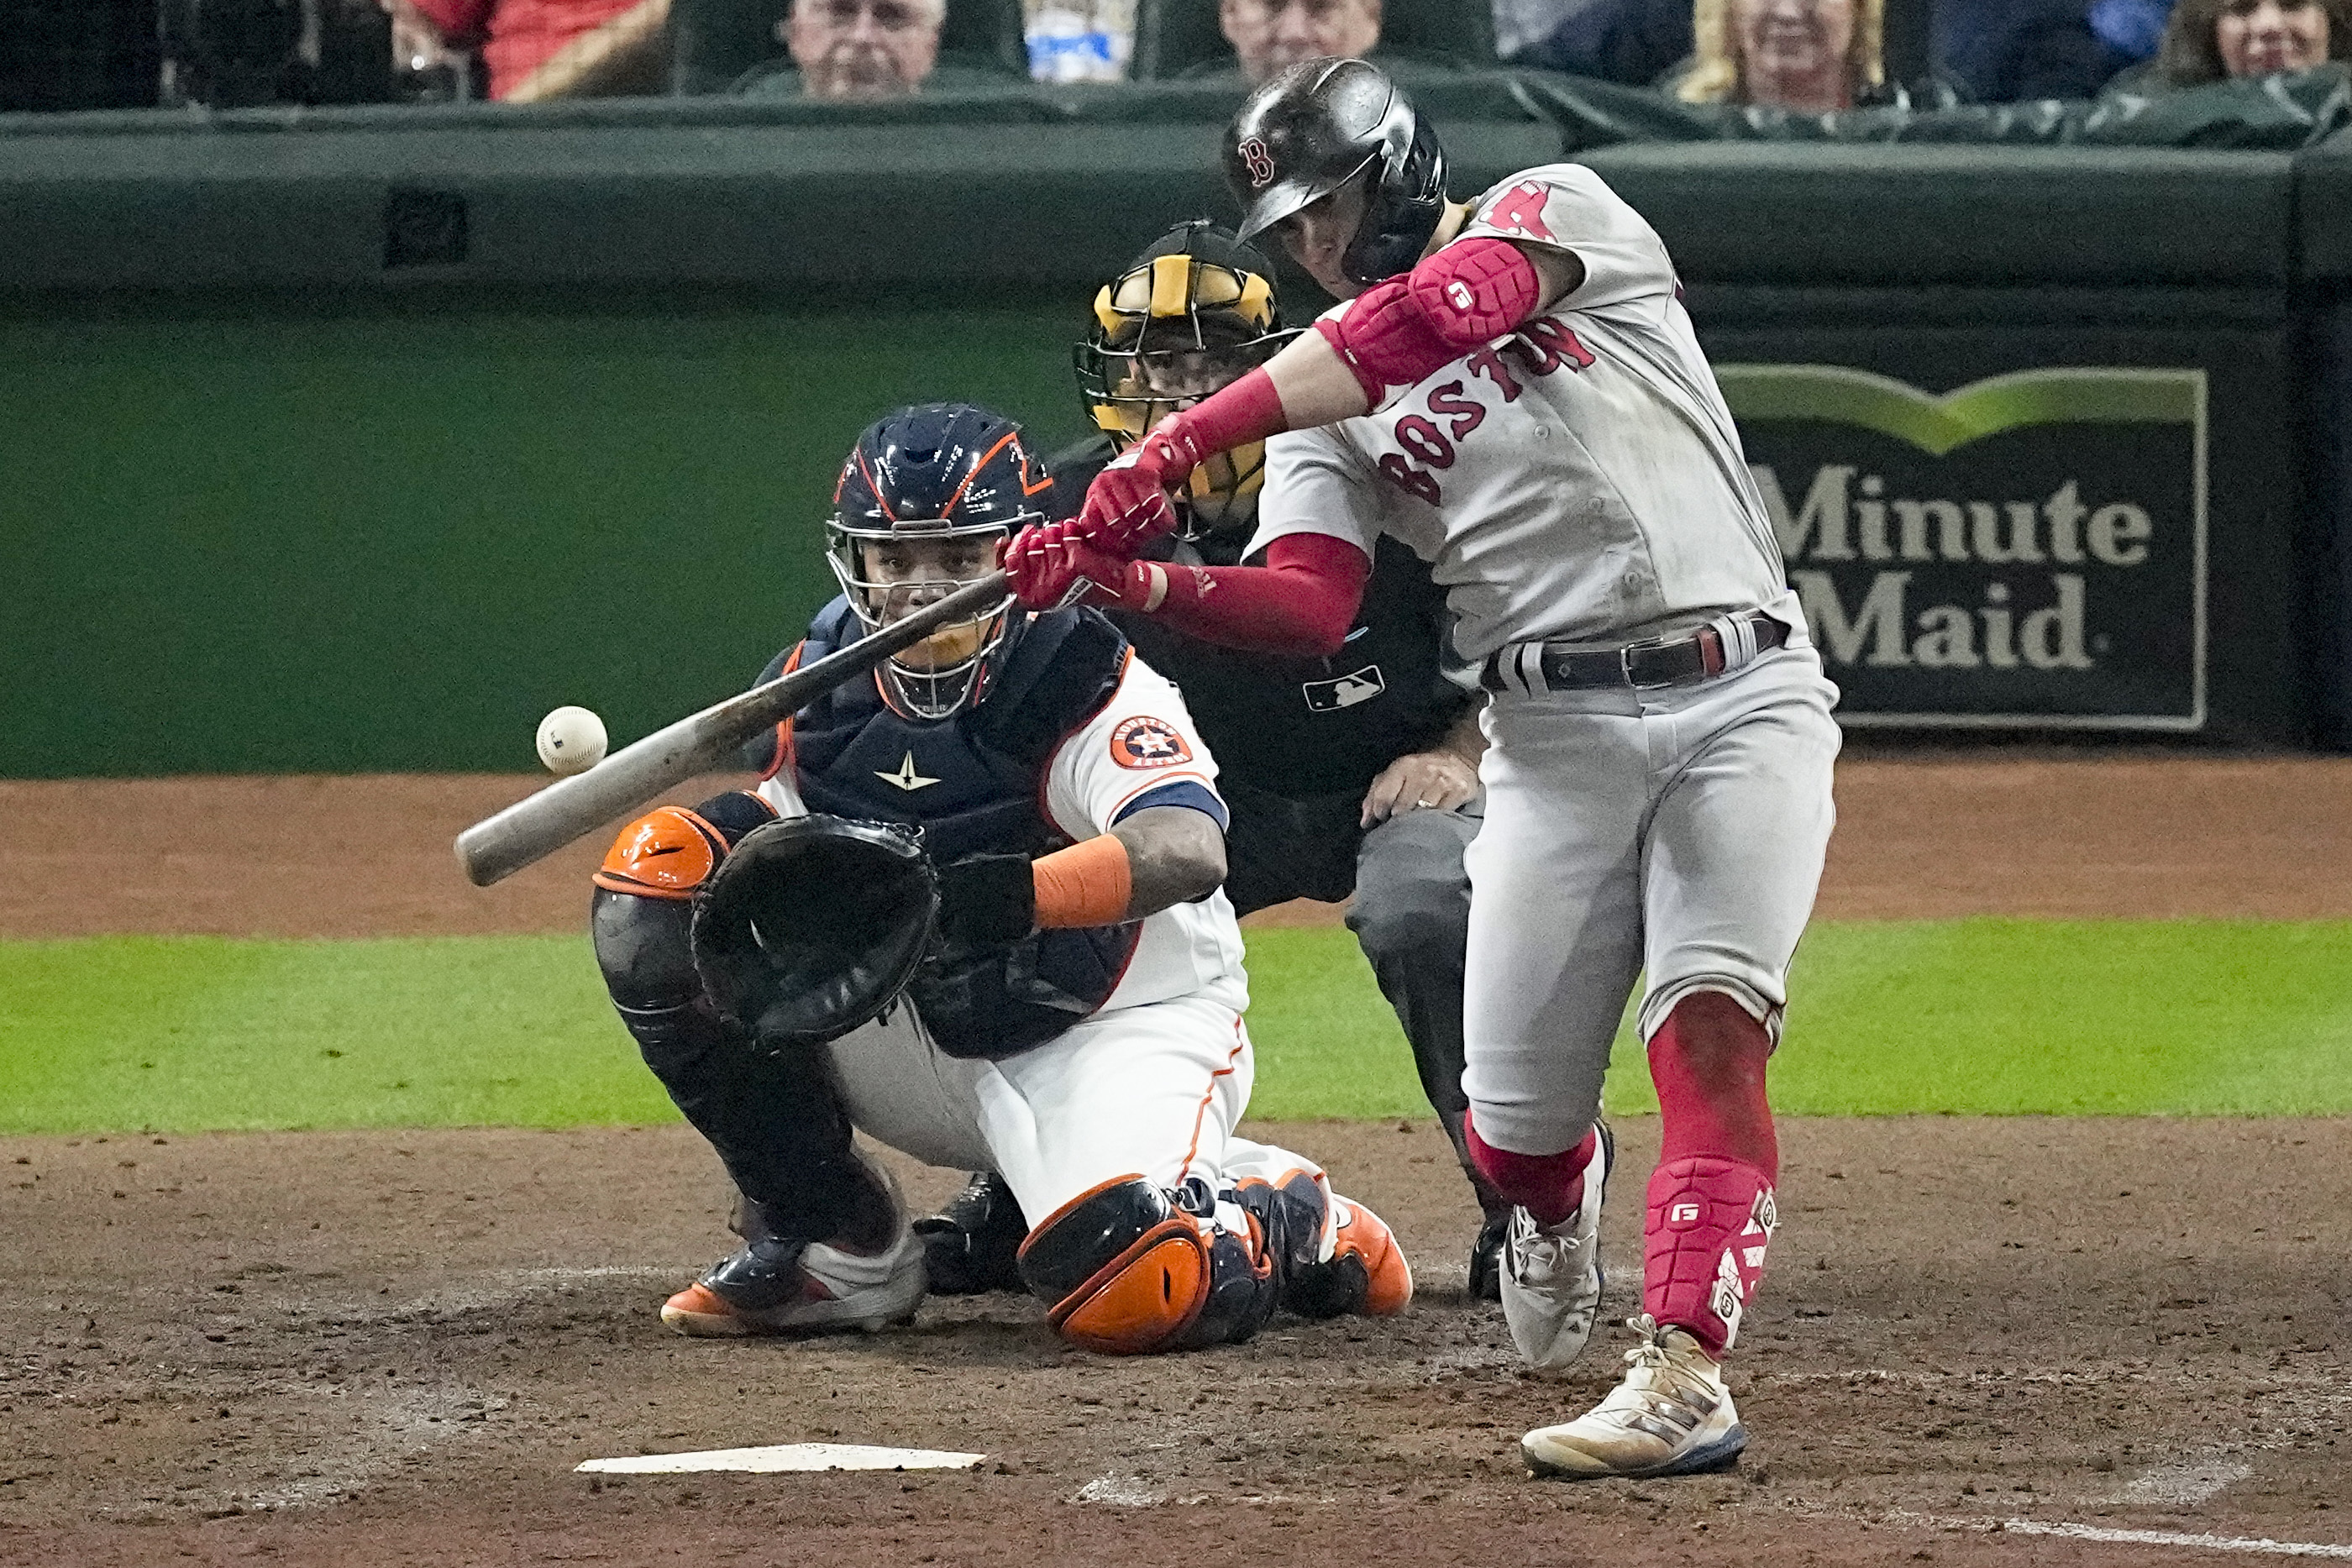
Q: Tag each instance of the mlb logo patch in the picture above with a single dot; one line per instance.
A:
(1330, 697)
(1144, 742)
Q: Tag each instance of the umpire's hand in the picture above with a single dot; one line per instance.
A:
(1432, 780)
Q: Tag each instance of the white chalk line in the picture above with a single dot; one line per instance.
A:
(2252, 1545)
(781, 1457)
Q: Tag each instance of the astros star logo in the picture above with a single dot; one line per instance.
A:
(906, 778)
(1145, 741)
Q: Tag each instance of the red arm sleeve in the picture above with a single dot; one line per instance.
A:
(1302, 600)
(456, 19)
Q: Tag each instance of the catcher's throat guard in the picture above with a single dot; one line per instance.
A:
(812, 926)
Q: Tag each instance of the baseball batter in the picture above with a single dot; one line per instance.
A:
(1513, 388)
(1349, 776)
(1074, 1020)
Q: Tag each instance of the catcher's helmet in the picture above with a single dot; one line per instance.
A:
(1317, 126)
(926, 500)
(1194, 313)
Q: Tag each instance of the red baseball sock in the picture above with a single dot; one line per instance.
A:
(1711, 1213)
(1550, 1186)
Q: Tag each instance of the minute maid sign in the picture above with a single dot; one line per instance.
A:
(2028, 551)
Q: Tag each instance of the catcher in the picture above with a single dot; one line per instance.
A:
(1355, 774)
(972, 909)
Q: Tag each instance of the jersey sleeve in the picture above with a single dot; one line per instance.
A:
(1140, 749)
(1569, 207)
(1317, 483)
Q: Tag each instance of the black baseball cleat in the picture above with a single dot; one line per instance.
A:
(974, 1245)
(1486, 1259)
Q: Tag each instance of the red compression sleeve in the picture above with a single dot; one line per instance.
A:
(1302, 600)
(1248, 410)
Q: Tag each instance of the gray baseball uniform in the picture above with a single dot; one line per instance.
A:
(1580, 485)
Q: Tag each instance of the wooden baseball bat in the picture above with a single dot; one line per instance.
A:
(537, 825)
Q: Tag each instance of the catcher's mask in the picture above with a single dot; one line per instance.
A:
(1321, 124)
(812, 925)
(1194, 313)
(924, 505)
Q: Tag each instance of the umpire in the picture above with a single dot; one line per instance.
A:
(1352, 775)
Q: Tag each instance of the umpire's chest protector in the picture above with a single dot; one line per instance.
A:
(975, 784)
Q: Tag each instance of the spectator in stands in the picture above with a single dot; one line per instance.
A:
(545, 48)
(2133, 29)
(2208, 40)
(2009, 51)
(849, 50)
(863, 48)
(1808, 56)
(1269, 35)
(1632, 42)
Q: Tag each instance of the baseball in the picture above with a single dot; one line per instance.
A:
(570, 740)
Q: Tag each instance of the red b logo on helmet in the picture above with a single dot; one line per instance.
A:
(1259, 163)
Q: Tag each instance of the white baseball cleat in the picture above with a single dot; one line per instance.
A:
(1551, 1275)
(824, 1290)
(1669, 1416)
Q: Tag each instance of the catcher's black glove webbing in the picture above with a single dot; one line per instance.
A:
(812, 924)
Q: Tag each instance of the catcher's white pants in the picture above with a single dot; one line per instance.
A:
(1152, 1090)
(1680, 830)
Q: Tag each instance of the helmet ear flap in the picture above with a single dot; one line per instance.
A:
(1402, 206)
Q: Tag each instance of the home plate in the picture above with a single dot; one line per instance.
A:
(786, 1456)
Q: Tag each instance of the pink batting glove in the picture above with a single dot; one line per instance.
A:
(1127, 506)
(1052, 568)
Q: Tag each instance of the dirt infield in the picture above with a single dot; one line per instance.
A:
(392, 1348)
(2059, 834)
(1981, 1341)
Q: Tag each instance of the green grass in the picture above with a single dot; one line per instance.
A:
(1975, 1016)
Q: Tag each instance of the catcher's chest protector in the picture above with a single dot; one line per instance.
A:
(974, 784)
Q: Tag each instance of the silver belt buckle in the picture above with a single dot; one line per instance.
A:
(1625, 663)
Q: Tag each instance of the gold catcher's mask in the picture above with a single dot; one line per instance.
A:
(1194, 313)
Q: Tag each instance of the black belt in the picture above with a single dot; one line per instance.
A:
(1639, 665)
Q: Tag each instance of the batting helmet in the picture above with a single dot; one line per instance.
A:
(1325, 122)
(1194, 313)
(780, 949)
(928, 499)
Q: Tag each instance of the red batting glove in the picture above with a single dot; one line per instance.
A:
(1052, 568)
(1127, 506)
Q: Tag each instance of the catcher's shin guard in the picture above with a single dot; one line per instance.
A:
(774, 1119)
(1124, 1270)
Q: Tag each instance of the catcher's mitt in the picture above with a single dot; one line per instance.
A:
(812, 925)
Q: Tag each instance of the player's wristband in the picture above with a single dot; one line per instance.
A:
(1147, 587)
(1088, 883)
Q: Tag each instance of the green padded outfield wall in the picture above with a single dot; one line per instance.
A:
(298, 479)
(356, 440)
(362, 544)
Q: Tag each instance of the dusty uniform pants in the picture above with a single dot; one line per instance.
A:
(1152, 1090)
(1679, 831)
